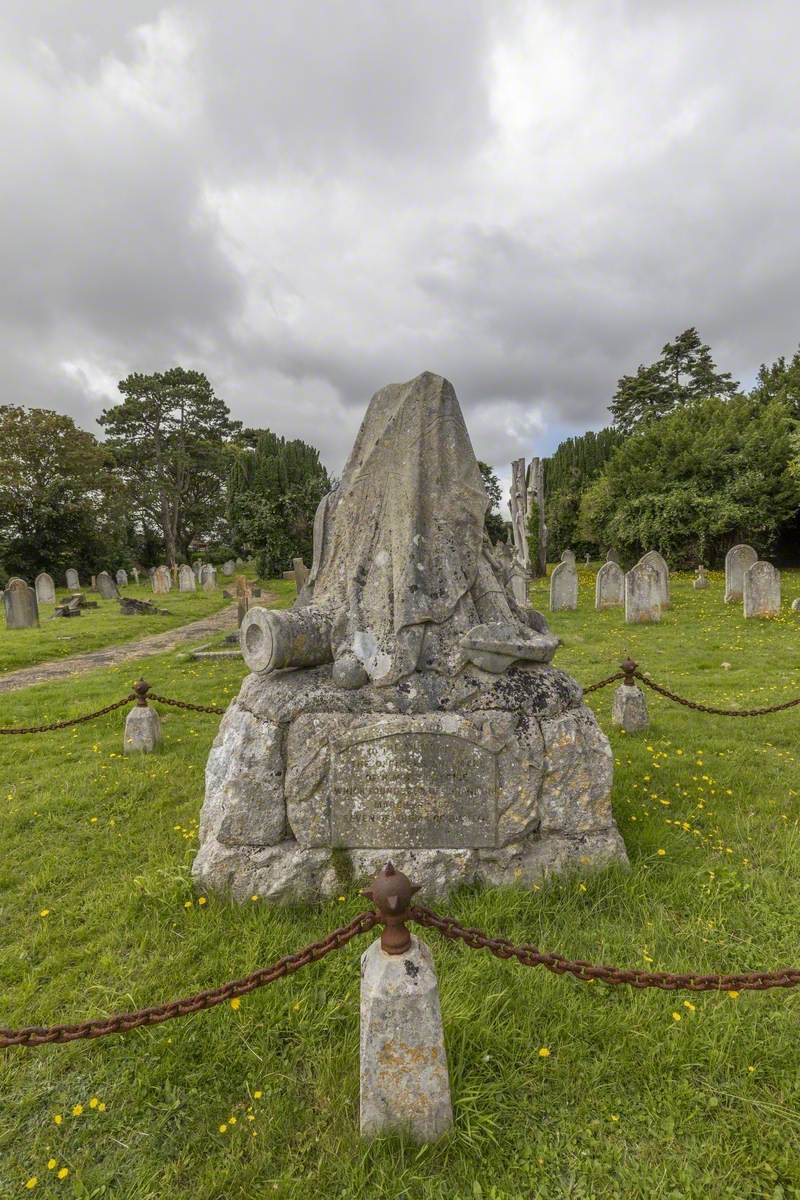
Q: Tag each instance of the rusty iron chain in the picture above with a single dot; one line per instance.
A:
(34, 1035)
(601, 683)
(530, 956)
(203, 708)
(720, 712)
(101, 712)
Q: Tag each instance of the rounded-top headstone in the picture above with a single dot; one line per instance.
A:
(106, 586)
(20, 607)
(73, 579)
(609, 586)
(122, 577)
(45, 589)
(653, 559)
(737, 561)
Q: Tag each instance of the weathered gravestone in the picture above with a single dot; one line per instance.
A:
(208, 577)
(564, 584)
(186, 579)
(45, 589)
(737, 561)
(16, 582)
(136, 575)
(122, 577)
(300, 573)
(162, 580)
(197, 567)
(762, 590)
(643, 592)
(568, 557)
(19, 605)
(658, 563)
(73, 579)
(228, 567)
(701, 580)
(419, 718)
(106, 586)
(609, 586)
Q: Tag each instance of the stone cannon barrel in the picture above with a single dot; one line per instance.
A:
(273, 639)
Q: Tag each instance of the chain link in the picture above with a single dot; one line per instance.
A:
(593, 687)
(101, 712)
(529, 956)
(720, 712)
(203, 708)
(34, 1035)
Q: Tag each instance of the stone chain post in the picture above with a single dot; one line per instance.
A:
(629, 707)
(142, 724)
(405, 1085)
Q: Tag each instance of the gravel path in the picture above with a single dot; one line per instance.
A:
(109, 656)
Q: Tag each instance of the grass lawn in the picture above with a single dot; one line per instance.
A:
(103, 626)
(642, 1094)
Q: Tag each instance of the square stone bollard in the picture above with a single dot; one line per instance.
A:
(142, 724)
(629, 709)
(405, 1085)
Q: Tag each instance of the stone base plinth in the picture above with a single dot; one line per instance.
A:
(473, 779)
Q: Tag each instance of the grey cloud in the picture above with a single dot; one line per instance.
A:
(310, 200)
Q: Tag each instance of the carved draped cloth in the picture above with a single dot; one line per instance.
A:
(401, 564)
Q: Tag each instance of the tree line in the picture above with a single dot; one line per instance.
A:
(691, 465)
(173, 474)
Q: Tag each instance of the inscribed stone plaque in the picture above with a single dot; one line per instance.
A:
(415, 787)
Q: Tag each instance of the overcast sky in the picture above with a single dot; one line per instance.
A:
(308, 200)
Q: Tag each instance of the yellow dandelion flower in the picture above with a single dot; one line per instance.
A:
(231, 1120)
(544, 1052)
(733, 995)
(341, 899)
(63, 1173)
(254, 898)
(31, 1183)
(235, 1002)
(202, 900)
(257, 1095)
(223, 1128)
(676, 1016)
(615, 1116)
(187, 904)
(77, 1110)
(58, 1118)
(51, 1163)
(661, 853)
(45, 912)
(101, 1107)
(688, 1004)
(93, 1103)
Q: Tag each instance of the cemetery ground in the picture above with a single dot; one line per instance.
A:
(560, 1088)
(103, 626)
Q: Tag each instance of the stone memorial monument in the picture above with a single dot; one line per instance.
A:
(762, 590)
(609, 586)
(45, 589)
(406, 707)
(73, 579)
(658, 563)
(536, 497)
(228, 567)
(186, 579)
(162, 580)
(737, 561)
(122, 577)
(106, 586)
(208, 577)
(564, 584)
(643, 592)
(19, 605)
(701, 580)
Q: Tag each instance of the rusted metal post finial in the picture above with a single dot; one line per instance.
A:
(141, 689)
(629, 667)
(391, 892)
